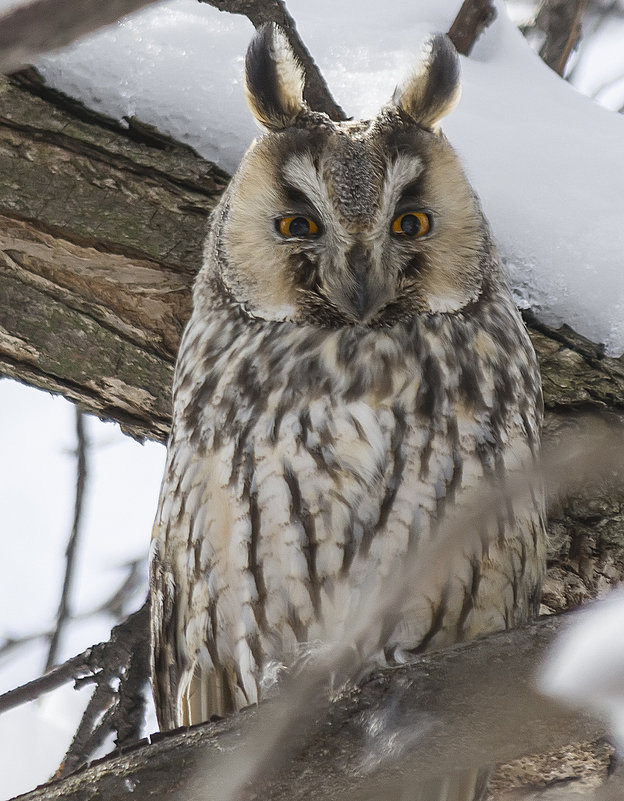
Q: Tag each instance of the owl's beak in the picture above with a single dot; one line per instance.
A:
(367, 294)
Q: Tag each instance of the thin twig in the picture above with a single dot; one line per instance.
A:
(92, 729)
(259, 12)
(63, 614)
(76, 667)
(124, 659)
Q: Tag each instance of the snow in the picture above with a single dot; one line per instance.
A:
(546, 161)
(586, 668)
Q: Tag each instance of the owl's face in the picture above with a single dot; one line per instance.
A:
(354, 223)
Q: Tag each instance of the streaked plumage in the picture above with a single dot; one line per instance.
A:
(335, 391)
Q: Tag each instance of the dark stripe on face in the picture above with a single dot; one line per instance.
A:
(298, 202)
(305, 272)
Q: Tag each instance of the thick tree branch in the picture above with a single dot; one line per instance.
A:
(101, 231)
(471, 704)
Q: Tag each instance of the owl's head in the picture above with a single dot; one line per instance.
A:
(350, 223)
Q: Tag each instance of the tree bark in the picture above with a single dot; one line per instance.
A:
(101, 233)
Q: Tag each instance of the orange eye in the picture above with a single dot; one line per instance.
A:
(412, 223)
(296, 226)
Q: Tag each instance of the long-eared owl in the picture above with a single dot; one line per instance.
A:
(354, 363)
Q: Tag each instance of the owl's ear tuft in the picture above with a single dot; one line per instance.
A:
(274, 79)
(434, 87)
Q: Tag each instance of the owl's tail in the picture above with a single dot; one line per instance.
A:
(210, 692)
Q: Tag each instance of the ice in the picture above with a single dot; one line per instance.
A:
(547, 162)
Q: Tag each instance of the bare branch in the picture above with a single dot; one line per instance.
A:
(77, 667)
(43, 25)
(122, 661)
(63, 613)
(473, 17)
(560, 21)
(259, 12)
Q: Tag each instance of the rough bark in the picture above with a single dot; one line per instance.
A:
(101, 232)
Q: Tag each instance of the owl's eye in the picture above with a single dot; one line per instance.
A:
(412, 223)
(296, 226)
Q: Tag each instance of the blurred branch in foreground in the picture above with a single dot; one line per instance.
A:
(471, 704)
(37, 27)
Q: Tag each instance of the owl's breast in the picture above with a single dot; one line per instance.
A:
(311, 461)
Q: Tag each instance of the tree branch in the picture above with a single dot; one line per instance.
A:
(259, 12)
(101, 231)
(466, 706)
(560, 21)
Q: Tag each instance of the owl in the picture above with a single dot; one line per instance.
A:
(353, 366)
